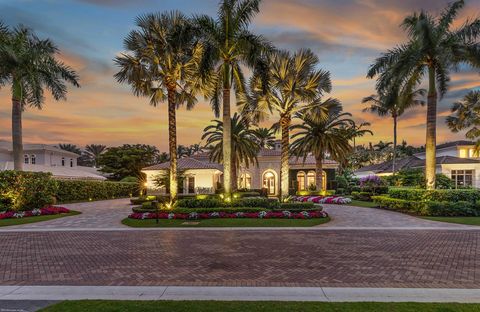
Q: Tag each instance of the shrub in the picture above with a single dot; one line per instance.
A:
(199, 210)
(212, 202)
(255, 202)
(20, 190)
(398, 204)
(454, 195)
(130, 179)
(298, 206)
(241, 194)
(365, 196)
(200, 203)
(74, 190)
(316, 193)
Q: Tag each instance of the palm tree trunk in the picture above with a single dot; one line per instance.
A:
(394, 143)
(319, 173)
(284, 169)
(430, 146)
(172, 142)
(17, 134)
(227, 143)
(234, 174)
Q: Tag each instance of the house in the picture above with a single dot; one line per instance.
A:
(457, 160)
(48, 158)
(203, 176)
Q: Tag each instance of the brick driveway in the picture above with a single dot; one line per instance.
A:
(335, 258)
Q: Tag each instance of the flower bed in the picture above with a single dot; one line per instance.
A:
(32, 213)
(227, 215)
(323, 199)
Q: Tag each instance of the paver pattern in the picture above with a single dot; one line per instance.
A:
(335, 258)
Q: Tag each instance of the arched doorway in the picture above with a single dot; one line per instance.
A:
(269, 182)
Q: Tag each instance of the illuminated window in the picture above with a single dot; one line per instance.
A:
(311, 178)
(462, 153)
(245, 181)
(301, 181)
(462, 178)
(191, 185)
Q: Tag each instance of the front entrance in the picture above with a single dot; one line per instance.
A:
(269, 182)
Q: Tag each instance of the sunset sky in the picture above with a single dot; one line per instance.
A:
(346, 34)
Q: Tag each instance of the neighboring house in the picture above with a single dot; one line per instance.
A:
(48, 158)
(203, 176)
(457, 160)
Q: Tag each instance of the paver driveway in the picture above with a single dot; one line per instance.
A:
(327, 258)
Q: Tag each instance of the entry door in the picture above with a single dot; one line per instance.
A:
(269, 183)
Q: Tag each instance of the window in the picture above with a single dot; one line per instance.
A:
(191, 185)
(269, 182)
(462, 153)
(71, 162)
(462, 178)
(311, 178)
(301, 181)
(26, 159)
(33, 159)
(245, 181)
(63, 161)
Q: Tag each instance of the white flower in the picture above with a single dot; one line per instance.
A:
(193, 215)
(305, 214)
(287, 213)
(239, 214)
(144, 215)
(19, 214)
(214, 214)
(262, 214)
(36, 212)
(171, 215)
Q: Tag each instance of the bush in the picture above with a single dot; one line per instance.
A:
(241, 194)
(74, 190)
(130, 180)
(298, 206)
(217, 202)
(316, 193)
(198, 210)
(200, 203)
(454, 195)
(255, 202)
(20, 190)
(365, 196)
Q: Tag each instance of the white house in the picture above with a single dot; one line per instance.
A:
(203, 176)
(457, 160)
(48, 158)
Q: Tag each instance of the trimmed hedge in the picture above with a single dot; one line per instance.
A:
(200, 210)
(216, 202)
(298, 206)
(365, 196)
(454, 195)
(429, 208)
(75, 190)
(21, 190)
(315, 193)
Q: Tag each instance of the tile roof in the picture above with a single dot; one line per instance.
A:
(186, 163)
(455, 143)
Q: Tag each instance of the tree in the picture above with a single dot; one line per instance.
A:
(466, 115)
(294, 85)
(94, 151)
(393, 104)
(162, 62)
(127, 160)
(358, 131)
(72, 148)
(29, 65)
(229, 45)
(244, 146)
(318, 136)
(434, 49)
(265, 137)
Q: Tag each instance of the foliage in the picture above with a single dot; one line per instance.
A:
(127, 160)
(265, 137)
(26, 190)
(150, 208)
(75, 190)
(295, 206)
(416, 178)
(466, 115)
(130, 179)
(93, 152)
(453, 195)
(217, 202)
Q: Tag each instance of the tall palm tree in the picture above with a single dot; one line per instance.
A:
(229, 45)
(72, 148)
(265, 137)
(358, 131)
(162, 62)
(318, 136)
(244, 146)
(380, 146)
(294, 84)
(94, 151)
(466, 115)
(433, 50)
(393, 104)
(29, 65)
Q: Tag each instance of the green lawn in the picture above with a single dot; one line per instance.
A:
(226, 222)
(15, 221)
(264, 306)
(460, 220)
(361, 203)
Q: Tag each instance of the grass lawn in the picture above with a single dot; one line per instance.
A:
(264, 306)
(15, 221)
(361, 203)
(226, 222)
(460, 220)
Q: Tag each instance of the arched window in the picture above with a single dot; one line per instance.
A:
(311, 179)
(269, 182)
(26, 159)
(301, 180)
(33, 159)
(245, 181)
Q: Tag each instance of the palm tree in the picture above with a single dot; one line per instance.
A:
(162, 63)
(434, 49)
(394, 105)
(381, 146)
(72, 148)
(466, 115)
(29, 65)
(358, 131)
(229, 45)
(318, 136)
(94, 151)
(294, 85)
(265, 137)
(244, 146)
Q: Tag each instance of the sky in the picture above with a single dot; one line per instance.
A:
(347, 35)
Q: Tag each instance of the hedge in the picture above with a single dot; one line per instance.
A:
(200, 210)
(217, 202)
(298, 206)
(429, 208)
(75, 190)
(454, 195)
(21, 190)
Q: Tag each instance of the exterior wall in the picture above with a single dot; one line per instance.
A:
(204, 179)
(55, 159)
(447, 169)
(5, 156)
